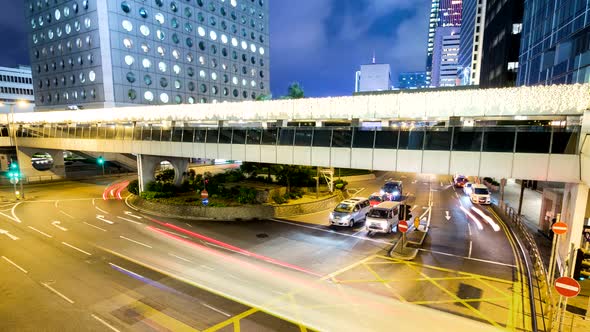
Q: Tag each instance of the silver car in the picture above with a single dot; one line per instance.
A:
(350, 211)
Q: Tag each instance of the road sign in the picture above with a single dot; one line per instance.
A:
(559, 228)
(567, 287)
(205, 201)
(402, 226)
(416, 222)
(204, 194)
(13, 180)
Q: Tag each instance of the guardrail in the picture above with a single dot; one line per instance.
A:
(55, 178)
(543, 295)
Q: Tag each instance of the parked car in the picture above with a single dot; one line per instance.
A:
(392, 190)
(459, 181)
(383, 217)
(467, 188)
(350, 211)
(375, 199)
(480, 194)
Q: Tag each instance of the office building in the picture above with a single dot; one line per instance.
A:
(373, 77)
(16, 84)
(445, 58)
(443, 13)
(97, 54)
(555, 43)
(501, 45)
(412, 80)
(470, 45)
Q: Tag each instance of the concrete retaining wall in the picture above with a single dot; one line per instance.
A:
(366, 177)
(305, 208)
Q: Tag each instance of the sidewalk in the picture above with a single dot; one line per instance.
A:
(531, 202)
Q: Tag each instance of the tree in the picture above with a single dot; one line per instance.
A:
(263, 97)
(295, 176)
(295, 91)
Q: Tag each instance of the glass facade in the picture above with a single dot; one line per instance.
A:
(555, 44)
(412, 80)
(160, 52)
(470, 46)
(444, 15)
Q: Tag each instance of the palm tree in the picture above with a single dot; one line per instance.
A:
(295, 91)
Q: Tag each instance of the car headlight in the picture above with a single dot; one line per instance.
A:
(396, 193)
(345, 218)
(331, 215)
(382, 192)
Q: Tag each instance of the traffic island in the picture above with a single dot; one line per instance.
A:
(401, 251)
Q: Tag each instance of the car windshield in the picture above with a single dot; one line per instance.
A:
(375, 198)
(468, 184)
(390, 187)
(378, 213)
(461, 179)
(481, 191)
(343, 207)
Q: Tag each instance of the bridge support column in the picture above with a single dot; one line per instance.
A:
(52, 172)
(147, 165)
(573, 213)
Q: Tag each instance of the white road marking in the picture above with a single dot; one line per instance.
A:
(137, 242)
(80, 250)
(129, 220)
(224, 248)
(189, 225)
(56, 202)
(173, 233)
(66, 214)
(470, 248)
(105, 323)
(132, 215)
(469, 228)
(233, 276)
(473, 259)
(414, 207)
(277, 292)
(447, 216)
(93, 204)
(9, 217)
(207, 267)
(14, 213)
(38, 231)
(56, 292)
(101, 218)
(457, 195)
(57, 224)
(129, 271)
(330, 231)
(101, 210)
(5, 232)
(14, 264)
(181, 258)
(216, 310)
(91, 225)
(441, 184)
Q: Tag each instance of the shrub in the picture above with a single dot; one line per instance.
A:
(246, 196)
(133, 187)
(279, 199)
(166, 176)
(340, 184)
(149, 195)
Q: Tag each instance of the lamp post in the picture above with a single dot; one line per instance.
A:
(12, 132)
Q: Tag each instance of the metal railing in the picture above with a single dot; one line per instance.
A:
(539, 284)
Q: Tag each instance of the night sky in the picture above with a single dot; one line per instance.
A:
(319, 43)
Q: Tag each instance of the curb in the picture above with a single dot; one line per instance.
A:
(407, 255)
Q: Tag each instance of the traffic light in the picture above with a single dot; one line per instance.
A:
(582, 266)
(100, 160)
(14, 172)
(405, 212)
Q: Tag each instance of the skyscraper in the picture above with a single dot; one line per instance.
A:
(472, 34)
(445, 56)
(99, 53)
(443, 13)
(412, 80)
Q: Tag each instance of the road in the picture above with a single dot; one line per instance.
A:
(98, 264)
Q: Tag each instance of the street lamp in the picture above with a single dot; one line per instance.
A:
(12, 131)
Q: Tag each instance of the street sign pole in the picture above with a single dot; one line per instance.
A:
(558, 228)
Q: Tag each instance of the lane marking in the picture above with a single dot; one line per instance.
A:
(216, 310)
(57, 224)
(56, 204)
(170, 232)
(93, 204)
(189, 225)
(66, 214)
(40, 232)
(181, 258)
(14, 264)
(470, 248)
(473, 259)
(207, 267)
(7, 233)
(414, 208)
(101, 218)
(132, 215)
(128, 271)
(329, 231)
(101, 210)
(129, 220)
(91, 225)
(105, 323)
(469, 228)
(56, 292)
(12, 211)
(80, 250)
(137, 242)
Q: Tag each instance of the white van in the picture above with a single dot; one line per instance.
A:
(383, 217)
(349, 212)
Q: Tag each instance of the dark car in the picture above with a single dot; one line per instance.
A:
(392, 190)
(459, 181)
(376, 199)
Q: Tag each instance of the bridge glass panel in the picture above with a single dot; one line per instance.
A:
(467, 139)
(364, 138)
(225, 136)
(438, 139)
(93, 132)
(137, 132)
(100, 132)
(156, 134)
(270, 136)
(45, 131)
(499, 139)
(386, 139)
(239, 136)
(146, 134)
(4, 131)
(212, 135)
(565, 141)
(411, 139)
(120, 132)
(128, 132)
(111, 132)
(303, 136)
(342, 138)
(533, 139)
(177, 134)
(166, 135)
(200, 135)
(253, 136)
(188, 135)
(286, 136)
(322, 137)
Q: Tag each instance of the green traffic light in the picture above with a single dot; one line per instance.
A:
(100, 160)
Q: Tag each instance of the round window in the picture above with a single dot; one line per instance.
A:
(189, 42)
(178, 99)
(236, 93)
(162, 67)
(127, 43)
(145, 47)
(173, 6)
(176, 69)
(160, 34)
(191, 100)
(177, 84)
(129, 60)
(144, 30)
(130, 77)
(146, 63)
(163, 82)
(148, 95)
(127, 25)
(143, 13)
(147, 79)
(161, 51)
(92, 76)
(201, 31)
(159, 18)
(132, 94)
(125, 7)
(164, 98)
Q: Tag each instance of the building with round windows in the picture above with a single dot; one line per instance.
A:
(96, 53)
